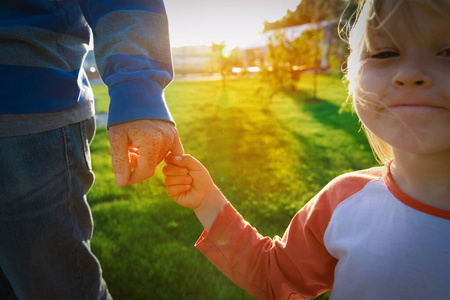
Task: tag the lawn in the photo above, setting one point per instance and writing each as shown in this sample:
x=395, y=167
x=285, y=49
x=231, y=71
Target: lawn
x=269, y=160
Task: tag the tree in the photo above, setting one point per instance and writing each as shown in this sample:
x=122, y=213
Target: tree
x=285, y=61
x=222, y=59
x=311, y=50
x=310, y=11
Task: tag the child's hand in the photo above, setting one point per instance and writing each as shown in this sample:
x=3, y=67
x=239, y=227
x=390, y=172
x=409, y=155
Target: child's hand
x=187, y=180
x=189, y=184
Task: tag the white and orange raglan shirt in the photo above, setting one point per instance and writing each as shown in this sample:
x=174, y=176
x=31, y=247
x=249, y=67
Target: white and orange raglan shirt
x=361, y=236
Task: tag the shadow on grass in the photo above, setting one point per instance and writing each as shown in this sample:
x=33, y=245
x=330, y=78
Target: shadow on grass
x=342, y=126
x=329, y=114
x=262, y=156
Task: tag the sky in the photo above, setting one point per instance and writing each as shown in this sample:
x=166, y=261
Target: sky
x=200, y=22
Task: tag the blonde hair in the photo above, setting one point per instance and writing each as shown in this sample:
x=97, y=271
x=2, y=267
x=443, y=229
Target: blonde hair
x=368, y=19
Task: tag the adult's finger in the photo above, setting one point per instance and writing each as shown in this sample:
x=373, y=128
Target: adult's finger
x=118, y=140
x=177, y=148
x=146, y=164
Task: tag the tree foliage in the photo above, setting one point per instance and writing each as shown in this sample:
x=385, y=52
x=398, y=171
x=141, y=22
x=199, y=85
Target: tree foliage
x=287, y=59
x=310, y=11
x=225, y=58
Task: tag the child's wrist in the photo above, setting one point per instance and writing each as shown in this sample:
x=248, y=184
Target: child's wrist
x=210, y=207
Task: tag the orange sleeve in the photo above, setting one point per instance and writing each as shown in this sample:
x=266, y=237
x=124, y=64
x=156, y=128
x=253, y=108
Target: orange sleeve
x=278, y=268
x=292, y=267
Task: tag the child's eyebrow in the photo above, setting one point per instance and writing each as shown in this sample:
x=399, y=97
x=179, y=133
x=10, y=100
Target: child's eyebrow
x=380, y=35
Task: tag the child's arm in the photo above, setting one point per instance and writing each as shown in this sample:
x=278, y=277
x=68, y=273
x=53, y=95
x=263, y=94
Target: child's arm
x=190, y=185
x=268, y=268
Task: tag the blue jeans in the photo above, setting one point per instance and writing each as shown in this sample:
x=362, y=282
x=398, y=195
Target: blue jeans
x=45, y=220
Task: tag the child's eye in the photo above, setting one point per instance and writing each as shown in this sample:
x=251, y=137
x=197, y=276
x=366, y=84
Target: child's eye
x=385, y=54
x=446, y=52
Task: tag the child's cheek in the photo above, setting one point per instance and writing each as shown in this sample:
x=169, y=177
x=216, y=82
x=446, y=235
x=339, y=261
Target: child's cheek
x=371, y=89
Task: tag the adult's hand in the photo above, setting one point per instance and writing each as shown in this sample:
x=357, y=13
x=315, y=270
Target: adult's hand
x=137, y=147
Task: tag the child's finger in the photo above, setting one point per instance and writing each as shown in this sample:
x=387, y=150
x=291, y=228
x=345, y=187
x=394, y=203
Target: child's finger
x=184, y=161
x=175, y=190
x=169, y=157
x=172, y=170
x=178, y=180
x=133, y=159
x=172, y=159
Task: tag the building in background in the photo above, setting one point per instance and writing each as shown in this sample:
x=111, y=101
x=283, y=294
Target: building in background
x=247, y=58
x=193, y=60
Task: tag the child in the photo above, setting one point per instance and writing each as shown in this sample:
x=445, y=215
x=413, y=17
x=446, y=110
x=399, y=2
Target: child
x=381, y=233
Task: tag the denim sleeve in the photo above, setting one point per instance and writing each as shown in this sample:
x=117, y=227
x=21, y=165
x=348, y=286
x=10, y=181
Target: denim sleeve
x=132, y=52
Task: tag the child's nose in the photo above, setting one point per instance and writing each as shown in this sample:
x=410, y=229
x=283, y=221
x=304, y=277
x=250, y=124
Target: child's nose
x=412, y=75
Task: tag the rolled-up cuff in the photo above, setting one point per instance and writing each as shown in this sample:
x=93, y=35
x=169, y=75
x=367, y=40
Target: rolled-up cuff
x=137, y=99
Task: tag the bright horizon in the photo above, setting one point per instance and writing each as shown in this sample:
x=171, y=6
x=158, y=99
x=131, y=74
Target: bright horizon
x=200, y=22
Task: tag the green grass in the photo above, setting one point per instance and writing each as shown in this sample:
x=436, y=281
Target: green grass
x=268, y=161
x=101, y=98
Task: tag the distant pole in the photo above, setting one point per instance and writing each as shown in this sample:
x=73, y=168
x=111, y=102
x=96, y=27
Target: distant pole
x=315, y=74
x=224, y=81
x=316, y=69
x=184, y=60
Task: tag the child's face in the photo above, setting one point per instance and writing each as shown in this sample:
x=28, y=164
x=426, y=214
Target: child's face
x=403, y=95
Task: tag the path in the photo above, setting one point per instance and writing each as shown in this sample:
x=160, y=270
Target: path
x=101, y=119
